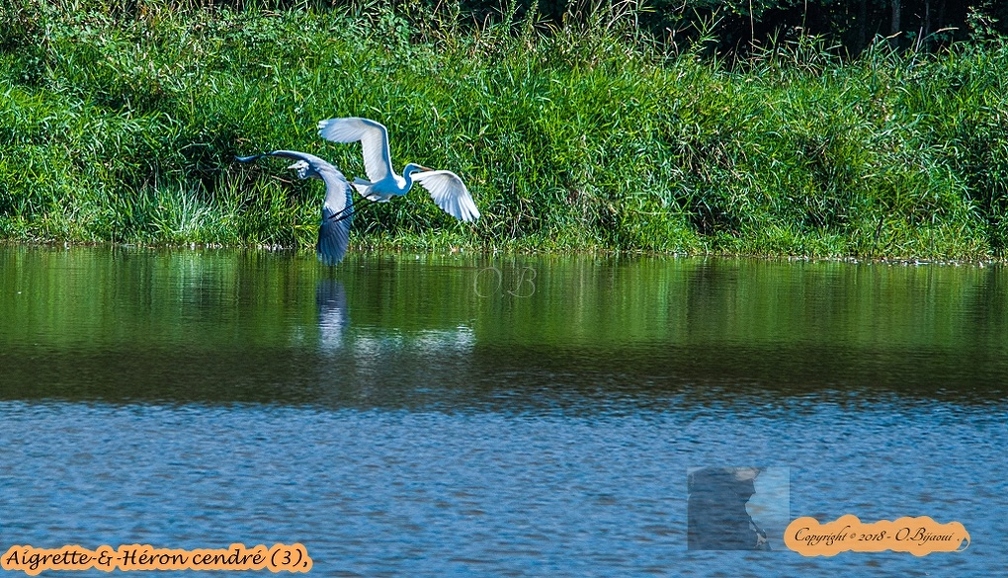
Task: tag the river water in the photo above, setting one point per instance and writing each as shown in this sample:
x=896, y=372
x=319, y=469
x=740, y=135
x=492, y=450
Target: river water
x=464, y=415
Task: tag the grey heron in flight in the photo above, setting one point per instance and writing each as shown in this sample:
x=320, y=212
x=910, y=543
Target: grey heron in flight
x=337, y=209
x=445, y=187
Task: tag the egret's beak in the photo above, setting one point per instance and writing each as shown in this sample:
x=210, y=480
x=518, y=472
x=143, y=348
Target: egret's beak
x=294, y=166
x=425, y=169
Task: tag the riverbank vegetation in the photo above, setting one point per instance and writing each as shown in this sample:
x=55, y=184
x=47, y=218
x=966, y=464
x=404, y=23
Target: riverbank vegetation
x=119, y=123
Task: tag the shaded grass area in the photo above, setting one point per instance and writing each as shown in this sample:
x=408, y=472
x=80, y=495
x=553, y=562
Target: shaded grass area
x=589, y=137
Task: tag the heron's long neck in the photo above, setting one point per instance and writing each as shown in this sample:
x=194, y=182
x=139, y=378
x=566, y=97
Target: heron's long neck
x=407, y=176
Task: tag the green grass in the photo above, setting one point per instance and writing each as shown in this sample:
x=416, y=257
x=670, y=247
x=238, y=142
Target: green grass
x=119, y=123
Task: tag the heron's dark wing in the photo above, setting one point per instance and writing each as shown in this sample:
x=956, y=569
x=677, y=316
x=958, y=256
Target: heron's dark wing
x=373, y=138
x=450, y=193
x=337, y=215
x=334, y=233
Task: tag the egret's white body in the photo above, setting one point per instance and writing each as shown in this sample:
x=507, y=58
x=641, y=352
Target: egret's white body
x=445, y=187
x=337, y=208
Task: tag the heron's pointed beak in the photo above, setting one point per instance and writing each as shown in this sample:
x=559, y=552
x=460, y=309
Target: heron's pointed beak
x=425, y=169
x=293, y=166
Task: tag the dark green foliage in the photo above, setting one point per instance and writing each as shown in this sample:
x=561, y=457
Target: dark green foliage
x=123, y=123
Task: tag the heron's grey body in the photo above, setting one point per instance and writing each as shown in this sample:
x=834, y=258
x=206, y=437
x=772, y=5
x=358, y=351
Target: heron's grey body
x=337, y=208
x=445, y=187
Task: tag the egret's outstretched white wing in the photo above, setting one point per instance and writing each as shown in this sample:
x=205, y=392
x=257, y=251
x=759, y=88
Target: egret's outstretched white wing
x=374, y=142
x=450, y=193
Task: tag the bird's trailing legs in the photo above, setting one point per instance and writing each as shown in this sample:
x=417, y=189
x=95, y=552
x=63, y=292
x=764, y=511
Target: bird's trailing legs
x=350, y=211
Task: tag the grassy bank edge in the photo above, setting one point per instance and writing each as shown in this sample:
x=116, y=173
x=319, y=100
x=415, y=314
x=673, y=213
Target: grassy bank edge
x=795, y=153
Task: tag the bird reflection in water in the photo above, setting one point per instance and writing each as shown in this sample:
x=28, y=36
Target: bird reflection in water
x=333, y=316
x=334, y=321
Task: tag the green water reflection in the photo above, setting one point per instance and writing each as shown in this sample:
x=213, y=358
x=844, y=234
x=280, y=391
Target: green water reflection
x=255, y=326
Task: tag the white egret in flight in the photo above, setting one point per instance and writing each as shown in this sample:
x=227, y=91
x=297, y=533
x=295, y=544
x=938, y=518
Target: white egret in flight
x=445, y=187
x=337, y=209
